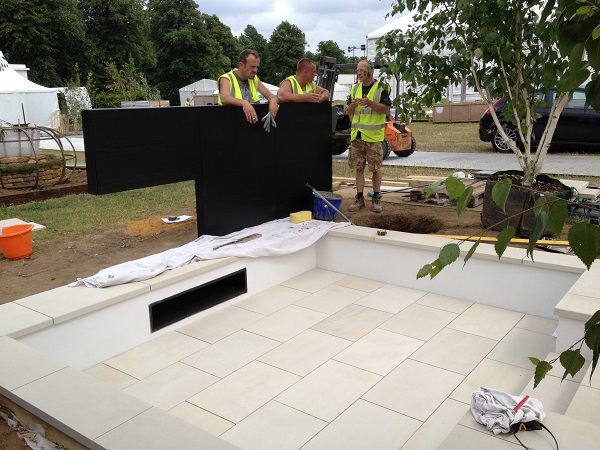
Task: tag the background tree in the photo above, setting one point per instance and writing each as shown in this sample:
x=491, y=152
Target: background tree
x=230, y=46
x=184, y=49
x=579, y=29
x=251, y=38
x=503, y=48
x=331, y=48
x=118, y=30
x=125, y=83
x=48, y=36
x=285, y=49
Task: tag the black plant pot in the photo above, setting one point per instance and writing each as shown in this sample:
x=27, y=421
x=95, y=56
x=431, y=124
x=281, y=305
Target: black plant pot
x=519, y=204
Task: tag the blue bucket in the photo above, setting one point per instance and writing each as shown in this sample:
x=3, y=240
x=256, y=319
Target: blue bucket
x=322, y=210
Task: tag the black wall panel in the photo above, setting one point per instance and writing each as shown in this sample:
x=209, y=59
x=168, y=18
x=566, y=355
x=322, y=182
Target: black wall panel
x=140, y=147
x=243, y=175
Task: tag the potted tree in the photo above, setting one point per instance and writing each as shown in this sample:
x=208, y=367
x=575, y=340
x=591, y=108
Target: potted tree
x=514, y=49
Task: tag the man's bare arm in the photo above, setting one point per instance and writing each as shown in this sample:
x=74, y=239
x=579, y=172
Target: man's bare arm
x=272, y=99
x=228, y=99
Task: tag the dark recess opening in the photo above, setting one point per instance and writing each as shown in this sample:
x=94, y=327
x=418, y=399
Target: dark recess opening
x=173, y=309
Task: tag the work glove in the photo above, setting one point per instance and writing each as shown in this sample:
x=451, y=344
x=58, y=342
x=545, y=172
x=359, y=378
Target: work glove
x=268, y=121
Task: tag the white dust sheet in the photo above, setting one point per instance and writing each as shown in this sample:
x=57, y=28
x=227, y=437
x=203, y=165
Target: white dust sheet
x=278, y=237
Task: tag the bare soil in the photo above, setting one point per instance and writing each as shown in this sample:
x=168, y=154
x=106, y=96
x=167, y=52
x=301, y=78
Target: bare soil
x=9, y=438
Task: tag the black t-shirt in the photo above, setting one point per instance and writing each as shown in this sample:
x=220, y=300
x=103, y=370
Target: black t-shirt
x=385, y=96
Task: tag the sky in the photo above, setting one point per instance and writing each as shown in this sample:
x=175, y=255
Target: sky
x=346, y=22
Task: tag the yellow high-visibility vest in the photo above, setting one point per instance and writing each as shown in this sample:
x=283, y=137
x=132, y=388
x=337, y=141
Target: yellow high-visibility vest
x=296, y=87
x=235, y=86
x=370, y=123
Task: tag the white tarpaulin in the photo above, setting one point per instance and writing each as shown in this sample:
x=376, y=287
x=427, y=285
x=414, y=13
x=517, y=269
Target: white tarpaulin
x=23, y=101
x=278, y=237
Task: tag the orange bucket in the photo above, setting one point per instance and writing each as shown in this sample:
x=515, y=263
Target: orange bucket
x=16, y=241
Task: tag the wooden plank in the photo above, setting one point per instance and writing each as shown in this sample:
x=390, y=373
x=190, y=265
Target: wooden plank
x=419, y=180
x=578, y=185
x=477, y=196
x=589, y=194
x=440, y=194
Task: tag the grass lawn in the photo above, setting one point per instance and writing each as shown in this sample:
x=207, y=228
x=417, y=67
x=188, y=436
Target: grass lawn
x=449, y=137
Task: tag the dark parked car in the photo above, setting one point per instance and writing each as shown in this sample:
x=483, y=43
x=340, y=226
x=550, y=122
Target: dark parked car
x=577, y=128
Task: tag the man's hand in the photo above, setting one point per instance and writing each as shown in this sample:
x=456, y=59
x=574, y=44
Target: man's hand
x=273, y=106
x=360, y=102
x=311, y=97
x=249, y=112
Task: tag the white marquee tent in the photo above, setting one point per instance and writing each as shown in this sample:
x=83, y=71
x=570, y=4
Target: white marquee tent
x=22, y=100
x=205, y=86
x=341, y=92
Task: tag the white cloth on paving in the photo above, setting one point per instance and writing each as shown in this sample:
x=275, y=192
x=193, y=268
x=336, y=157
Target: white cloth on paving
x=495, y=409
x=278, y=237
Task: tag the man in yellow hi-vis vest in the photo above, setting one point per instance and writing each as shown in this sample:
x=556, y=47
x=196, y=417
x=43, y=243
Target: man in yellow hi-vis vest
x=241, y=86
x=370, y=102
x=302, y=87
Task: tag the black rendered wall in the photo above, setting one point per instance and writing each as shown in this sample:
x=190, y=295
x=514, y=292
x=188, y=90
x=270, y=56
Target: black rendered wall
x=244, y=176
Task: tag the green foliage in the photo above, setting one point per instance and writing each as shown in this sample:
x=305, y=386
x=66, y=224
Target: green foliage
x=464, y=199
x=169, y=40
x=92, y=88
x=76, y=99
x=541, y=369
x=448, y=254
x=230, y=48
x=571, y=359
x=285, y=49
x=118, y=31
x=456, y=190
x=579, y=29
x=125, y=83
x=107, y=100
x=503, y=48
x=252, y=39
x=503, y=239
x=550, y=213
x=332, y=49
x=185, y=50
x=584, y=239
x=500, y=192
x=47, y=35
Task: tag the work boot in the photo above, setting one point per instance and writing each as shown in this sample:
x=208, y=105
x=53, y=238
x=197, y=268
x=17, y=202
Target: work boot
x=377, y=204
x=358, y=203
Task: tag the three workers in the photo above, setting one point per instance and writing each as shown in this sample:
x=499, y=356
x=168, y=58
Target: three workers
x=370, y=102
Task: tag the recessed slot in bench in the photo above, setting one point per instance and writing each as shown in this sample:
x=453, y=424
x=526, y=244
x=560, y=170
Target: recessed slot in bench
x=177, y=307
